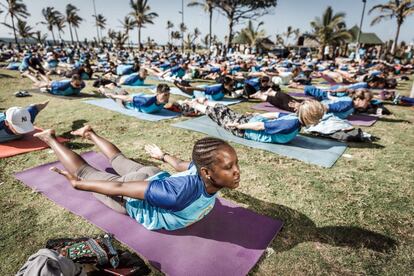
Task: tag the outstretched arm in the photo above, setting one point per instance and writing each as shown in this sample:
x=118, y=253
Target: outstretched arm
x=251, y=126
x=155, y=152
x=133, y=189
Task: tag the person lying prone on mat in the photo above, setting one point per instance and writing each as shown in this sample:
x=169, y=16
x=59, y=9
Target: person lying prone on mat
x=68, y=87
x=152, y=197
x=16, y=121
x=214, y=92
x=274, y=127
x=133, y=79
x=142, y=103
x=330, y=126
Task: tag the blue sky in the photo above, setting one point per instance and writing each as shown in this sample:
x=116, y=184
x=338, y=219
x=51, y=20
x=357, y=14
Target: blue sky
x=297, y=13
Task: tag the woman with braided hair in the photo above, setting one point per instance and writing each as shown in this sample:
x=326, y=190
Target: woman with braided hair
x=153, y=197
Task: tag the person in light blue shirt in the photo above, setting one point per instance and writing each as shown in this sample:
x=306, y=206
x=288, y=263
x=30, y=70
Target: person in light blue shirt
x=273, y=127
x=154, y=198
x=215, y=92
x=68, y=87
x=142, y=103
x=134, y=79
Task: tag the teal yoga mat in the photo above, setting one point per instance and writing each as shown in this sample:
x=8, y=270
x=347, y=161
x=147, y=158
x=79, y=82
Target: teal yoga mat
x=113, y=106
x=321, y=152
x=225, y=101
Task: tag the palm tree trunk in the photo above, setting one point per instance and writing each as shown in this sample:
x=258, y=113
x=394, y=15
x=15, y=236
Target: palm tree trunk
x=230, y=36
x=71, y=34
x=395, y=44
x=139, y=38
x=14, y=29
x=53, y=36
x=210, y=28
x=76, y=33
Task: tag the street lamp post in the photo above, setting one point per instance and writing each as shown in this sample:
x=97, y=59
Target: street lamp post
x=182, y=22
x=96, y=18
x=360, y=25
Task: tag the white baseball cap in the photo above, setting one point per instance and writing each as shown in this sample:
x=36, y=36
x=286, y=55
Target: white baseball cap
x=20, y=119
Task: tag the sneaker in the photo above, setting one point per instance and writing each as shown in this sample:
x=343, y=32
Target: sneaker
x=22, y=93
x=397, y=99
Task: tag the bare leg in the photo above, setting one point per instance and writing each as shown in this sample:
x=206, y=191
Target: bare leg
x=107, y=148
x=70, y=160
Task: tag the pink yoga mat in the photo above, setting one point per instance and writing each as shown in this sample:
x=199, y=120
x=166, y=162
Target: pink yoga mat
x=356, y=120
x=228, y=241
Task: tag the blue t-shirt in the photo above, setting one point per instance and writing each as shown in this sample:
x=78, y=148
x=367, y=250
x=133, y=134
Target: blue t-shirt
x=64, y=88
x=254, y=82
x=132, y=80
x=177, y=71
x=172, y=202
x=280, y=131
x=341, y=107
x=122, y=69
x=145, y=104
x=212, y=92
x=6, y=134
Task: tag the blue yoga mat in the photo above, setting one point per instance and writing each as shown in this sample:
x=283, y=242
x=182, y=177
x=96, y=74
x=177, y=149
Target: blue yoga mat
x=322, y=152
x=111, y=105
x=225, y=101
x=145, y=86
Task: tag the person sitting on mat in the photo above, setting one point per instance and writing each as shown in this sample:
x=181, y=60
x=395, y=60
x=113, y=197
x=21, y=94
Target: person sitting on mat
x=16, y=121
x=141, y=103
x=152, y=197
x=215, y=92
x=274, y=127
x=68, y=87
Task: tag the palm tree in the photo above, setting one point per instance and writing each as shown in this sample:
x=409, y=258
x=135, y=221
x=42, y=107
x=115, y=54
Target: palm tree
x=71, y=16
x=400, y=9
x=120, y=39
x=100, y=22
x=170, y=25
x=141, y=13
x=175, y=35
x=39, y=37
x=75, y=22
x=330, y=30
x=251, y=35
x=128, y=24
x=60, y=24
x=183, y=29
x=208, y=6
x=16, y=9
x=24, y=30
x=51, y=17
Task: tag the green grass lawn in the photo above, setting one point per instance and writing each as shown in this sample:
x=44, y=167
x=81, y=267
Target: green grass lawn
x=344, y=220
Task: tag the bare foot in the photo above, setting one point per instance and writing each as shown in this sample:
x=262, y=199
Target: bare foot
x=45, y=135
x=41, y=106
x=82, y=132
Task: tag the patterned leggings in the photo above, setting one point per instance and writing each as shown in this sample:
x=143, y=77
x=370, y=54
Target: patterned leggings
x=223, y=115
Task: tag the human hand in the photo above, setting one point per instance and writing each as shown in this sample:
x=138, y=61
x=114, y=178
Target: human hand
x=154, y=151
x=294, y=105
x=232, y=125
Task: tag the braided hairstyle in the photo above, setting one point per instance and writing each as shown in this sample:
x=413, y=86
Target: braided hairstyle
x=205, y=150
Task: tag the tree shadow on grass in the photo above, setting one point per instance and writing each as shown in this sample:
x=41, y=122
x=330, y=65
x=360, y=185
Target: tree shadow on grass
x=75, y=125
x=389, y=120
x=299, y=228
x=6, y=76
x=365, y=145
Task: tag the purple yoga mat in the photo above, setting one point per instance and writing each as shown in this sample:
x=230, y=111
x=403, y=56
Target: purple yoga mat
x=299, y=94
x=356, y=120
x=228, y=241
